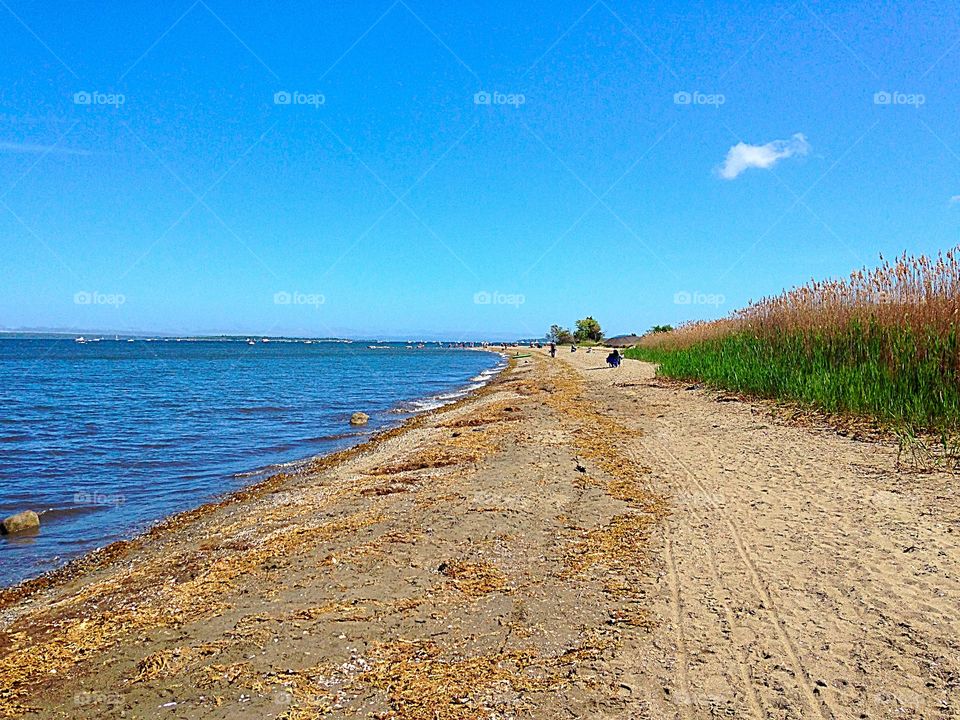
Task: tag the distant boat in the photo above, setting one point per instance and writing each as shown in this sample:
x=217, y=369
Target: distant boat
x=265, y=340
x=80, y=339
x=251, y=342
x=129, y=339
x=378, y=347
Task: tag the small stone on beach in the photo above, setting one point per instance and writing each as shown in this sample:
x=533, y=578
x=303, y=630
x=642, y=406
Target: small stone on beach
x=359, y=418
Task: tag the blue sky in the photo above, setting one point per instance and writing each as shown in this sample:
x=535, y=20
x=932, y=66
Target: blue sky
x=643, y=163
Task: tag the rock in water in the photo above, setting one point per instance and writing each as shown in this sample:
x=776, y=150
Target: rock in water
x=359, y=418
x=26, y=520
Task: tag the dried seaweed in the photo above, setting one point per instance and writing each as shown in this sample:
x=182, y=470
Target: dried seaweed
x=422, y=685
x=71, y=637
x=475, y=578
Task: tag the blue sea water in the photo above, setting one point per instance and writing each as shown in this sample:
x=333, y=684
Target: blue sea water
x=105, y=438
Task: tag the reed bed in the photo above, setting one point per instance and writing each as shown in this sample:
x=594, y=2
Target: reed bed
x=881, y=344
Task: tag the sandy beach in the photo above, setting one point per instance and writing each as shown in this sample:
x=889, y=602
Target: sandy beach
x=570, y=541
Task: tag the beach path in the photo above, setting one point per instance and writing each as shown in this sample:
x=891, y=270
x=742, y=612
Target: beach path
x=573, y=541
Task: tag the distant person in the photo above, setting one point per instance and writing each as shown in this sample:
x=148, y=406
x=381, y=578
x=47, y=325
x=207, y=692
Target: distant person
x=553, y=349
x=573, y=348
x=613, y=359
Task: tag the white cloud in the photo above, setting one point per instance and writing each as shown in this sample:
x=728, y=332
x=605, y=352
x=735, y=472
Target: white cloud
x=743, y=156
x=16, y=147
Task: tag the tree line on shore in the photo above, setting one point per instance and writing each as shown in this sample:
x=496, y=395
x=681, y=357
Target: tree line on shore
x=587, y=330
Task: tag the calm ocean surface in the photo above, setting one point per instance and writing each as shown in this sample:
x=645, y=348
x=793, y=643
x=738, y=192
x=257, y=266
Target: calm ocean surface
x=104, y=438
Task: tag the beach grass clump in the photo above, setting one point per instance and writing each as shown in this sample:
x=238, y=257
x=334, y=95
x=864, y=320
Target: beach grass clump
x=882, y=344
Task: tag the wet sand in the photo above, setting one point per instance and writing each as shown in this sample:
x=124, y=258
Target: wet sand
x=571, y=541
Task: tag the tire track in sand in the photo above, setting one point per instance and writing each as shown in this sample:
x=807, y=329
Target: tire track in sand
x=676, y=603
x=800, y=672
x=749, y=690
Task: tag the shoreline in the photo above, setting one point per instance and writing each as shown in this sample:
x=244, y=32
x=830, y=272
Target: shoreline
x=101, y=556
x=568, y=540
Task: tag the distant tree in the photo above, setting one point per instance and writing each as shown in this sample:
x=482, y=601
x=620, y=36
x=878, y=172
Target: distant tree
x=661, y=328
x=588, y=329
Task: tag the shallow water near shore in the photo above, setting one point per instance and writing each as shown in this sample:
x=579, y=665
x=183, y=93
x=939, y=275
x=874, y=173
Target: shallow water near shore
x=104, y=438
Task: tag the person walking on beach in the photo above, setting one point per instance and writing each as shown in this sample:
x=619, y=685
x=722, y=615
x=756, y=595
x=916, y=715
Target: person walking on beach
x=553, y=349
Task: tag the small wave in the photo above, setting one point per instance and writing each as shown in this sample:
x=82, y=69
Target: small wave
x=17, y=437
x=163, y=444
x=63, y=513
x=262, y=409
x=302, y=443
x=428, y=403
x=152, y=463
x=331, y=438
x=271, y=469
x=279, y=448
x=415, y=406
x=432, y=402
